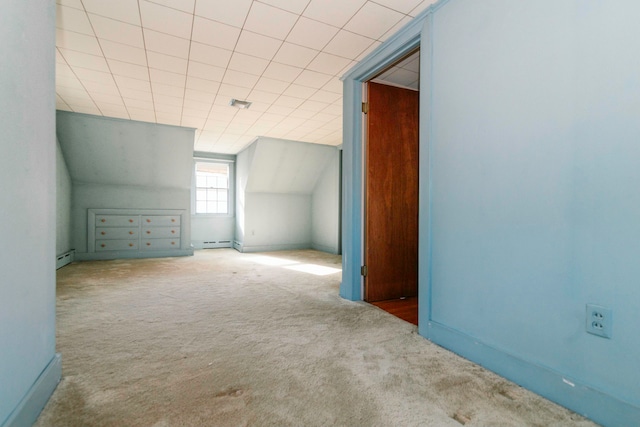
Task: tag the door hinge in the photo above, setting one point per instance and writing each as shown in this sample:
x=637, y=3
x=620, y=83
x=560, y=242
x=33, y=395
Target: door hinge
x=364, y=270
x=365, y=107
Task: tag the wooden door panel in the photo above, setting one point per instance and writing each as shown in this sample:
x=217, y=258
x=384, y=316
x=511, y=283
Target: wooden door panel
x=391, y=229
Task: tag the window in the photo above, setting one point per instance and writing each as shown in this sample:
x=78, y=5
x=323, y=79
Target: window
x=212, y=188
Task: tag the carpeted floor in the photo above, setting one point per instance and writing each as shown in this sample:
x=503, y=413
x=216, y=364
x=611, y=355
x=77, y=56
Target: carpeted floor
x=230, y=339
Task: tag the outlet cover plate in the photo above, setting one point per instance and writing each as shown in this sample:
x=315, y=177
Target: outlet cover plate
x=599, y=320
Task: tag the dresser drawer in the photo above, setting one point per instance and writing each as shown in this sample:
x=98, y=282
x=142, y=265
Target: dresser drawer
x=116, y=220
x=117, y=245
x=103, y=233
x=160, y=220
x=160, y=232
x=159, y=244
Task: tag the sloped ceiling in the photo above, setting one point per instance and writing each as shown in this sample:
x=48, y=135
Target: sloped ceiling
x=180, y=62
x=108, y=151
x=279, y=166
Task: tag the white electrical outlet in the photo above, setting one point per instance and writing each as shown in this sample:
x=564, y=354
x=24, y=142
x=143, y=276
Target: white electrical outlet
x=599, y=320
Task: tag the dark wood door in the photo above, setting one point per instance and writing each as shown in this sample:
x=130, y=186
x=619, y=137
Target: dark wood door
x=391, y=198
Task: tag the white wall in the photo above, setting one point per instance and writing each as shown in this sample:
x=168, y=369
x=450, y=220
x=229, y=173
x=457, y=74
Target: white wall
x=63, y=204
x=325, y=208
x=212, y=229
x=125, y=164
x=28, y=210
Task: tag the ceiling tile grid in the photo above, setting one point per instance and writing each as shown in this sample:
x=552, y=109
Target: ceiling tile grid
x=180, y=62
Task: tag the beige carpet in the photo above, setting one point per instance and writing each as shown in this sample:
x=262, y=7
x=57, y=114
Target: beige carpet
x=230, y=339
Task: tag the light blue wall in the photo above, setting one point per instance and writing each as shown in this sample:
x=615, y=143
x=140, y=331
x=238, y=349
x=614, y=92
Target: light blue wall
x=29, y=367
x=325, y=208
x=125, y=164
x=529, y=199
x=63, y=204
x=275, y=187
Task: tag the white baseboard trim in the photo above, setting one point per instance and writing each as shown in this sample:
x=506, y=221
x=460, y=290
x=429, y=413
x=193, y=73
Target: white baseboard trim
x=27, y=411
x=65, y=258
x=272, y=248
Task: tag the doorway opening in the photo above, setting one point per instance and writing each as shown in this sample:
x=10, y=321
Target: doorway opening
x=391, y=175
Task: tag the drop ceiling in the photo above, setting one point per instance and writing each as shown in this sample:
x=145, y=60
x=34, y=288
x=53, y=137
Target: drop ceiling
x=180, y=62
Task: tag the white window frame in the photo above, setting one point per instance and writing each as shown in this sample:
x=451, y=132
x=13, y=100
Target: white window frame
x=232, y=183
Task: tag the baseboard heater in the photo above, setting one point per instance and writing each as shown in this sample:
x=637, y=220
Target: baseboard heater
x=65, y=258
x=216, y=244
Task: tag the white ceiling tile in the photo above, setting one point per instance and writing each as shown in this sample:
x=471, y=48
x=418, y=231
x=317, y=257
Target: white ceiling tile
x=368, y=50
x=84, y=60
x=328, y=64
x=183, y=5
x=391, y=31
x=162, y=89
x=116, y=111
x=312, y=79
x=86, y=109
x=229, y=12
x=201, y=115
x=288, y=101
x=205, y=71
x=209, y=54
x=126, y=69
x=313, y=106
x=215, y=33
x=73, y=93
x=257, y=45
x=80, y=102
x=271, y=85
x=110, y=29
x=71, y=19
x=165, y=20
x=333, y=12
x=197, y=106
x=122, y=10
x=270, y=21
x=248, y=64
x=297, y=56
x=61, y=105
x=304, y=114
x=168, y=102
x=71, y=82
x=298, y=91
x=373, y=20
x=232, y=91
x=191, y=122
x=348, y=45
x=402, y=6
x=310, y=33
x=238, y=78
x=95, y=88
x=198, y=95
x=131, y=103
x=85, y=74
x=139, y=95
x=123, y=52
x=167, y=44
x=295, y=6
x=129, y=83
x=109, y=98
x=279, y=109
x=79, y=42
x=202, y=85
x=64, y=70
x=167, y=63
x=166, y=77
x=422, y=6
x=262, y=96
x=282, y=72
x=324, y=96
